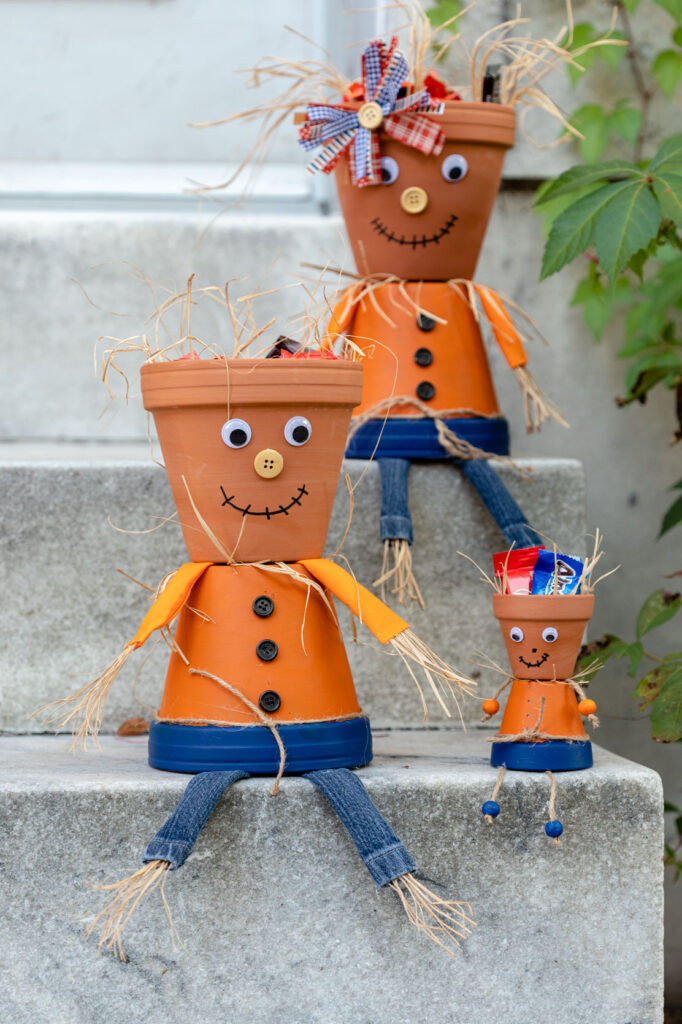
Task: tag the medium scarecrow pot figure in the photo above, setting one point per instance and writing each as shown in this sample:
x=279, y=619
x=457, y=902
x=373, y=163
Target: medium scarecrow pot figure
x=542, y=725
x=258, y=681
x=417, y=178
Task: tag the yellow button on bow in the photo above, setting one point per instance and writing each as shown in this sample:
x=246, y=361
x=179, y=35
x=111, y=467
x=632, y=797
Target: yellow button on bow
x=414, y=199
x=370, y=115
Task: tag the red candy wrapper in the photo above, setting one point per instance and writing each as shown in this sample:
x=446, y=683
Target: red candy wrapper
x=519, y=563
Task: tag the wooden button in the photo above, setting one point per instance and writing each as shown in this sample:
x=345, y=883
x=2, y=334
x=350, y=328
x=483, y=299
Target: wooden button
x=268, y=463
x=414, y=199
x=370, y=115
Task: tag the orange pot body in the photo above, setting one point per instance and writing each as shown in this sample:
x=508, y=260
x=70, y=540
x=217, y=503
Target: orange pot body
x=444, y=240
x=248, y=517
x=458, y=370
x=560, y=715
x=219, y=631
x=534, y=657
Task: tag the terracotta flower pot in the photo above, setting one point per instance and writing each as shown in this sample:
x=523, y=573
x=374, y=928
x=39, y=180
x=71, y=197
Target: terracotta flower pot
x=543, y=634
x=423, y=225
x=253, y=447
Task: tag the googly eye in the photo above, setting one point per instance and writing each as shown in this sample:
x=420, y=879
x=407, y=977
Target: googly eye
x=297, y=431
x=516, y=633
x=389, y=170
x=454, y=167
x=236, y=433
x=550, y=634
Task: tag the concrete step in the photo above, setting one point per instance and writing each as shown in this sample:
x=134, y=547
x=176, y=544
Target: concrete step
x=70, y=612
x=283, y=923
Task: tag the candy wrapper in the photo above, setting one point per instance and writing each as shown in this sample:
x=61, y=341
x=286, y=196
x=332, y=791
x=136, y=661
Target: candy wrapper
x=556, y=574
x=519, y=564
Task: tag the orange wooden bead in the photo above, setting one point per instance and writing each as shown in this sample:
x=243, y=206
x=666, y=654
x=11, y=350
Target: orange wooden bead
x=587, y=707
x=491, y=707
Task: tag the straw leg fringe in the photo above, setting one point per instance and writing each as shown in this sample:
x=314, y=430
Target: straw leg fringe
x=85, y=707
x=400, y=574
x=126, y=896
x=442, y=679
x=445, y=922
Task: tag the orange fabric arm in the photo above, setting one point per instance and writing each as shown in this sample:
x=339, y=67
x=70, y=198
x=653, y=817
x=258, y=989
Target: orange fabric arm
x=380, y=620
x=342, y=316
x=506, y=335
x=170, y=600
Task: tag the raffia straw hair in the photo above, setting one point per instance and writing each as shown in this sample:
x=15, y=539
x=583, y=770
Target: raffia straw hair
x=445, y=922
x=400, y=574
x=126, y=897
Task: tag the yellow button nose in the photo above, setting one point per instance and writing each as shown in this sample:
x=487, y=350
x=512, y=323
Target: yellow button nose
x=414, y=199
x=268, y=463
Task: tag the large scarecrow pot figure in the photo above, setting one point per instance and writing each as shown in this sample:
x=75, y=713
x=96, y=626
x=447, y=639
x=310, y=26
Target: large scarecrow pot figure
x=258, y=681
x=417, y=172
x=542, y=726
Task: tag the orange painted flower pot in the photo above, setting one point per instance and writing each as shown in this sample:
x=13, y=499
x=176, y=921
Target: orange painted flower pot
x=429, y=220
x=253, y=450
x=543, y=633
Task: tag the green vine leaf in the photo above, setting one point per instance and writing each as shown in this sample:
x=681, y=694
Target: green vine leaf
x=669, y=154
x=579, y=176
x=667, y=186
x=572, y=230
x=626, y=122
x=667, y=69
x=624, y=224
x=673, y=7
x=666, y=710
x=657, y=609
x=592, y=121
x=673, y=516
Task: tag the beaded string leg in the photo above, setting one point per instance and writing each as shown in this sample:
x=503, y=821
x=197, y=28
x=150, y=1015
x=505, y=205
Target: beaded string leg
x=491, y=808
x=553, y=828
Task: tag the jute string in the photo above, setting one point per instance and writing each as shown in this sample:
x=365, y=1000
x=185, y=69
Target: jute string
x=493, y=796
x=552, y=804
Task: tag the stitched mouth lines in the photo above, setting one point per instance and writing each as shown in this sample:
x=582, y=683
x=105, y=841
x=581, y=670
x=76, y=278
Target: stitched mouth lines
x=534, y=664
x=268, y=512
x=390, y=236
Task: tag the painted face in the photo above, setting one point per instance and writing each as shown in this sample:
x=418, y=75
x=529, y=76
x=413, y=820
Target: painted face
x=428, y=219
x=254, y=469
x=542, y=634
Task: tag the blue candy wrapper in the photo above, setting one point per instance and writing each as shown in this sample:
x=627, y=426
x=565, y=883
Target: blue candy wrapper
x=568, y=571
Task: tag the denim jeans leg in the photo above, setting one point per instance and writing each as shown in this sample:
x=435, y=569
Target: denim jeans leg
x=176, y=838
x=395, y=520
x=380, y=848
x=499, y=502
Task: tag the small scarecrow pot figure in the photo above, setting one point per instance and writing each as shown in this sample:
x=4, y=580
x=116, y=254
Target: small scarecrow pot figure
x=258, y=681
x=542, y=726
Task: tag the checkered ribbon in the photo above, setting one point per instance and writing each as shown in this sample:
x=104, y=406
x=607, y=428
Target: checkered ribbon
x=338, y=130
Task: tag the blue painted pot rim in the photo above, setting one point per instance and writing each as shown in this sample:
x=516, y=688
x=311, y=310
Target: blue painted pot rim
x=543, y=756
x=308, y=746
x=410, y=437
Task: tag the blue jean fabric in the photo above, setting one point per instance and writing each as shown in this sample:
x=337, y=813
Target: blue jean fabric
x=395, y=519
x=380, y=848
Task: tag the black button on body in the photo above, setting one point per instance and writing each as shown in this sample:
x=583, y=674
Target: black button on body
x=425, y=323
x=269, y=700
x=267, y=650
x=425, y=390
x=263, y=606
x=423, y=357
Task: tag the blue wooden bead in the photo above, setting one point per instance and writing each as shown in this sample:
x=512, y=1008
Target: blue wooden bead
x=491, y=807
x=554, y=829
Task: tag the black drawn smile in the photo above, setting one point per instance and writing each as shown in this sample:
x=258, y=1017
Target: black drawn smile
x=534, y=664
x=381, y=229
x=269, y=512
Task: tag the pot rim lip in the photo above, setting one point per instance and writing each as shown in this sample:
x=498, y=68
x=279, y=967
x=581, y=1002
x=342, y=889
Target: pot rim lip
x=218, y=363
x=557, y=606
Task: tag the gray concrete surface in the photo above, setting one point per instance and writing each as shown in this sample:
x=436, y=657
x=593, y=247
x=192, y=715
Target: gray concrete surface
x=281, y=920
x=70, y=612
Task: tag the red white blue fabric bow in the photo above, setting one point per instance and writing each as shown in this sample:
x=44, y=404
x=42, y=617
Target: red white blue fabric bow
x=339, y=129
